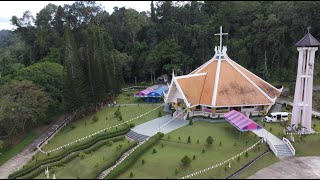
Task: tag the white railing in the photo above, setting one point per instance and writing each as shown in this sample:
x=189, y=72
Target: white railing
x=285, y=140
x=274, y=150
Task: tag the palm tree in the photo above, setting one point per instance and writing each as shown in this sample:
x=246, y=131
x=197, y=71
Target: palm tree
x=285, y=125
x=300, y=130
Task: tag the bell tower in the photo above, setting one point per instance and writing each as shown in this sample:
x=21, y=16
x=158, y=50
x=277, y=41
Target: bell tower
x=302, y=103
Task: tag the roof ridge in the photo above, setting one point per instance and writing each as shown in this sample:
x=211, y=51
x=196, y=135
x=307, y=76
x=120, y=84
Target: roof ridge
x=202, y=88
x=256, y=76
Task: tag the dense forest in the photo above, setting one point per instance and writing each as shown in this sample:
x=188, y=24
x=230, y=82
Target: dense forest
x=75, y=56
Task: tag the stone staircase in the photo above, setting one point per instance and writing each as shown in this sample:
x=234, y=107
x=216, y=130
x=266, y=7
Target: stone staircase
x=283, y=150
x=136, y=136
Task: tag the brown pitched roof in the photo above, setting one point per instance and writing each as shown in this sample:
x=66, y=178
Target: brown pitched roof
x=192, y=87
x=236, y=85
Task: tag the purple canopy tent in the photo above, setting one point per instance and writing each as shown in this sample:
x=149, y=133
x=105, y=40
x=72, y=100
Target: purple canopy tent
x=241, y=121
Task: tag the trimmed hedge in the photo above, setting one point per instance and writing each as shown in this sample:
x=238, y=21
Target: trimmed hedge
x=40, y=170
x=62, y=155
x=127, y=163
x=116, y=157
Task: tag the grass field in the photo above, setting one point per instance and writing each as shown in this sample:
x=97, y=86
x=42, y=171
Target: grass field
x=168, y=158
x=88, y=167
x=265, y=161
x=86, y=126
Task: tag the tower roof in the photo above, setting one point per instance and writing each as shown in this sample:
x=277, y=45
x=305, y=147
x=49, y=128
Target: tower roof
x=225, y=84
x=308, y=41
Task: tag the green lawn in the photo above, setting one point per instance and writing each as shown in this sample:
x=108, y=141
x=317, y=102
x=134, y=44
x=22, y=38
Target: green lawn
x=8, y=153
x=310, y=146
x=86, y=168
x=163, y=163
x=263, y=162
x=86, y=126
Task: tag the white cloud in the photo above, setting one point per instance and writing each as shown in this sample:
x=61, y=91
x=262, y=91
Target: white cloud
x=16, y=8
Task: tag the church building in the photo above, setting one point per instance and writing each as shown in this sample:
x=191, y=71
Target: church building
x=218, y=86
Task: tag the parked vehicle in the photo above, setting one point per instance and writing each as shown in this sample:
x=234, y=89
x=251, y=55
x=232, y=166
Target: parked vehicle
x=276, y=117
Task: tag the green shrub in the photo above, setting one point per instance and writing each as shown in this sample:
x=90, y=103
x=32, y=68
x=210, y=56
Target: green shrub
x=95, y=119
x=235, y=144
x=120, y=117
x=72, y=126
x=159, y=114
x=209, y=140
x=154, y=151
x=189, y=139
x=168, y=136
x=220, y=143
x=106, y=117
x=54, y=169
x=96, y=165
x=82, y=155
x=238, y=158
x=198, y=141
x=160, y=134
x=131, y=174
x=142, y=161
x=186, y=160
x=194, y=157
x=179, y=138
x=203, y=151
x=270, y=129
x=176, y=171
x=247, y=154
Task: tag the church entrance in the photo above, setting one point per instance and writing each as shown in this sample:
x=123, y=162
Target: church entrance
x=235, y=108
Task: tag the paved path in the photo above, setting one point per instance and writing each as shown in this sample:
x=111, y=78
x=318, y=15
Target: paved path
x=266, y=134
x=26, y=154
x=150, y=128
x=291, y=168
x=289, y=101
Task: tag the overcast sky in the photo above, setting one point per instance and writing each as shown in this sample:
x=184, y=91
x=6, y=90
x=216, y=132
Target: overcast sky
x=11, y=8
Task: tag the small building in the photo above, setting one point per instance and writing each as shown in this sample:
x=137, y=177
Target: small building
x=219, y=86
x=153, y=93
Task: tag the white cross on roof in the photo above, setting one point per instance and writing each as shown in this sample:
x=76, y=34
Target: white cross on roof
x=220, y=34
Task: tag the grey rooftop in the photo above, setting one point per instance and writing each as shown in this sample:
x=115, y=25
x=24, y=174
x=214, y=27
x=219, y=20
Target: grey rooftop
x=308, y=41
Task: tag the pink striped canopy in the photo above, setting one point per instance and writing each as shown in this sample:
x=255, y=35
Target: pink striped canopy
x=241, y=121
x=145, y=92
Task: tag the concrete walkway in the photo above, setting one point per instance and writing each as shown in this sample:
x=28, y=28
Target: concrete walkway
x=26, y=154
x=266, y=134
x=291, y=168
x=150, y=128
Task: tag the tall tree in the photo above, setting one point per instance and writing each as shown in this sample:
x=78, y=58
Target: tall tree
x=22, y=103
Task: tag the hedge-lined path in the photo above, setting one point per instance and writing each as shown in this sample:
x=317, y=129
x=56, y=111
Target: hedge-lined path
x=22, y=158
x=122, y=158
